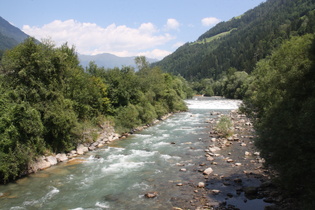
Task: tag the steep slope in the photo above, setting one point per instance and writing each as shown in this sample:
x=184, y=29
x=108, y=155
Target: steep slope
x=10, y=35
x=242, y=41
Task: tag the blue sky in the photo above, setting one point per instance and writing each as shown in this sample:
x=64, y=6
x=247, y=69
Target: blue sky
x=121, y=27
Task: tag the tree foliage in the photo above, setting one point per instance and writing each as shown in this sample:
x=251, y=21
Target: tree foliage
x=281, y=99
x=47, y=98
x=241, y=41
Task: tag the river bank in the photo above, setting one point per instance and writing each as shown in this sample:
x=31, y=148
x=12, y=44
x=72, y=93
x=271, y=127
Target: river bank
x=163, y=166
x=234, y=173
x=105, y=136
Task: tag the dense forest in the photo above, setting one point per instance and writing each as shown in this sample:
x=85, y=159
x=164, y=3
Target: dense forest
x=238, y=44
x=48, y=100
x=281, y=101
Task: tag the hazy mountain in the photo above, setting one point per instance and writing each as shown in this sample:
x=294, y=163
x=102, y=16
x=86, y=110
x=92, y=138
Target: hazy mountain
x=10, y=35
x=108, y=60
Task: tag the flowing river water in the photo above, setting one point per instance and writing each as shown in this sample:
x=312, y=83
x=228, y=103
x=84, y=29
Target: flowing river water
x=118, y=175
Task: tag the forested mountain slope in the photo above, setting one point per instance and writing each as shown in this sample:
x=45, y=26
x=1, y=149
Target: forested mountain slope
x=242, y=41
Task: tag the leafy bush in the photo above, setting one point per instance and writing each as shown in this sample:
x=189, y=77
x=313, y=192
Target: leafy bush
x=224, y=126
x=282, y=103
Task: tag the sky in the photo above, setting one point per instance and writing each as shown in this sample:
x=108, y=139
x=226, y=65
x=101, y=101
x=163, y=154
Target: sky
x=153, y=28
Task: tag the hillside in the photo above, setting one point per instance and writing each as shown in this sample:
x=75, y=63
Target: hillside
x=10, y=35
x=108, y=60
x=242, y=41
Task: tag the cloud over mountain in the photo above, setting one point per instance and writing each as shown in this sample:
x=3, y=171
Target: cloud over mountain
x=121, y=40
x=209, y=21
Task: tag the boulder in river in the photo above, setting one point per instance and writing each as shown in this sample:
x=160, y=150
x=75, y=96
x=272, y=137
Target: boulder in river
x=207, y=171
x=151, y=194
x=201, y=184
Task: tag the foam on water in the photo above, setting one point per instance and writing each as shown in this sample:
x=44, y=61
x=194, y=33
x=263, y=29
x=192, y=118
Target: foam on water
x=122, y=167
x=102, y=205
x=141, y=186
x=219, y=104
x=43, y=199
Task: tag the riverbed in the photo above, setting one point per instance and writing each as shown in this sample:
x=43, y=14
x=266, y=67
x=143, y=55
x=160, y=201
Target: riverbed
x=163, y=159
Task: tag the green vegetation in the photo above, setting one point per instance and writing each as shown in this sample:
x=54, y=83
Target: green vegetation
x=48, y=100
x=269, y=61
x=250, y=38
x=224, y=126
x=210, y=39
x=281, y=101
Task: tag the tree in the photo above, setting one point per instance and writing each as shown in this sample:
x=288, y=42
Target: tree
x=282, y=103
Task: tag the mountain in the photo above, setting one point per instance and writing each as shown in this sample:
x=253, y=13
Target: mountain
x=242, y=41
x=10, y=35
x=108, y=60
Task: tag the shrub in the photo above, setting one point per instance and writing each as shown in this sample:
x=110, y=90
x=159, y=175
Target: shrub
x=224, y=126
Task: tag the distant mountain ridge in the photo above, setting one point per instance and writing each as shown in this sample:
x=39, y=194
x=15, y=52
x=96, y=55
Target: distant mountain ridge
x=108, y=60
x=10, y=35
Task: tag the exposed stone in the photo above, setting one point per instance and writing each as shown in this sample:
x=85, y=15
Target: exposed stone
x=91, y=148
x=183, y=169
x=52, y=160
x=100, y=145
x=61, y=157
x=207, y=171
x=81, y=149
x=256, y=153
x=73, y=152
x=151, y=194
x=215, y=191
x=201, y=184
x=229, y=160
x=39, y=164
x=238, y=164
x=214, y=149
x=247, y=153
x=210, y=158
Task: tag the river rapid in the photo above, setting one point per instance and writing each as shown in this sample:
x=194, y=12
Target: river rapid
x=118, y=176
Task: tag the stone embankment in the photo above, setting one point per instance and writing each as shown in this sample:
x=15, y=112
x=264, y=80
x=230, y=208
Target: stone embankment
x=105, y=136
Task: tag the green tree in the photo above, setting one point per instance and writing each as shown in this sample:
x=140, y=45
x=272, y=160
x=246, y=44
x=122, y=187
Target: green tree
x=282, y=102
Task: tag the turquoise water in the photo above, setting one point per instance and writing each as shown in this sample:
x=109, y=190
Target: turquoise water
x=117, y=176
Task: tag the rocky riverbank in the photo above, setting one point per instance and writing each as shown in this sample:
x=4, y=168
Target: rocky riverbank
x=234, y=173
x=105, y=135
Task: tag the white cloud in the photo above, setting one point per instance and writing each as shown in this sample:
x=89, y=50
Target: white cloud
x=208, y=21
x=89, y=38
x=156, y=53
x=172, y=24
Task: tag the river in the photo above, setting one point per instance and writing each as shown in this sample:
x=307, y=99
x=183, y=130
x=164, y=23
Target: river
x=118, y=175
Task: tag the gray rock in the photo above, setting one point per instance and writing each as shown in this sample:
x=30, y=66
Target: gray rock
x=61, y=157
x=81, y=149
x=207, y=171
x=52, y=160
x=201, y=184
